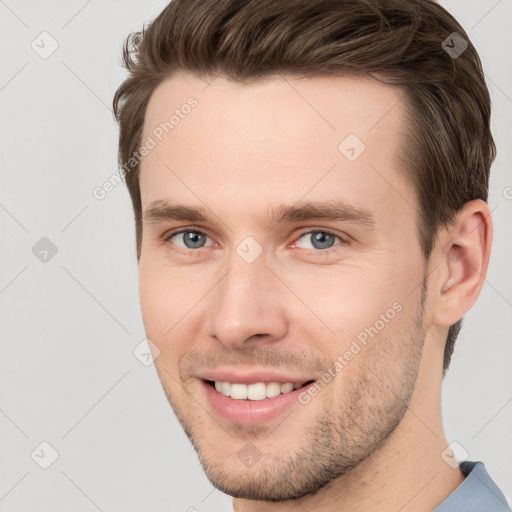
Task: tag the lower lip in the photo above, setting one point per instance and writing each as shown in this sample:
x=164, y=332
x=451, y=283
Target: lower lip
x=250, y=412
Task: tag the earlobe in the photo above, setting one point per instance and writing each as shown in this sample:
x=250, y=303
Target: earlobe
x=463, y=258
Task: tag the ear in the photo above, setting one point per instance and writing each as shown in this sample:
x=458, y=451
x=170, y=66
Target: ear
x=463, y=252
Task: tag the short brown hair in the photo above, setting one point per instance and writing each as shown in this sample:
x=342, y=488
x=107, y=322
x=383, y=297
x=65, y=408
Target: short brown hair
x=449, y=147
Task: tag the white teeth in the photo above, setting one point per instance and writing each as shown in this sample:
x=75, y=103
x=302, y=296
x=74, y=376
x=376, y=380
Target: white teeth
x=225, y=388
x=273, y=389
x=239, y=391
x=286, y=387
x=256, y=391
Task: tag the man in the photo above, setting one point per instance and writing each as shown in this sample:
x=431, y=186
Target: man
x=309, y=181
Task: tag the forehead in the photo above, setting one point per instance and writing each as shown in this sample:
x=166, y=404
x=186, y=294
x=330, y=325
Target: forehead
x=275, y=107
x=321, y=137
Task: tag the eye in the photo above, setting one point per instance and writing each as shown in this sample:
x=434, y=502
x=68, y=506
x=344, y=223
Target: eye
x=188, y=239
x=320, y=240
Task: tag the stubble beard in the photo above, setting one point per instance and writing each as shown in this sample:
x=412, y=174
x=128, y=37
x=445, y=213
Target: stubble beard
x=348, y=430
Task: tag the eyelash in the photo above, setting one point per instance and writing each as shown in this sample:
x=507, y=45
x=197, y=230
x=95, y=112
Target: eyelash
x=329, y=250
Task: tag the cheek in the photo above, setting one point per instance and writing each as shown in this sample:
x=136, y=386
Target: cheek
x=161, y=311
x=343, y=300
x=346, y=298
x=170, y=302
x=166, y=294
x=153, y=302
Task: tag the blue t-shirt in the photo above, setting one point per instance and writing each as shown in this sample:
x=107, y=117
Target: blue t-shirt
x=478, y=492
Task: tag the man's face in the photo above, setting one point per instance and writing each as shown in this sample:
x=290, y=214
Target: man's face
x=245, y=297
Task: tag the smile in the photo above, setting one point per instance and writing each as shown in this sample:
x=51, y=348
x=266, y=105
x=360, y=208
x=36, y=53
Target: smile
x=254, y=403
x=255, y=391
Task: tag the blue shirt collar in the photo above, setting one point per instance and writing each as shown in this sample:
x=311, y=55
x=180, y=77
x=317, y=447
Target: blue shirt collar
x=478, y=492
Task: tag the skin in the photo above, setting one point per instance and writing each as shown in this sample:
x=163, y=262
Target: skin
x=372, y=438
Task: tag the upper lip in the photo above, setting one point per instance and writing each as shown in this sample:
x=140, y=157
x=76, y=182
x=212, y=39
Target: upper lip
x=251, y=376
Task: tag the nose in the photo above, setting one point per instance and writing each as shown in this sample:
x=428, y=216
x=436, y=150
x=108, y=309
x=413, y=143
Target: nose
x=247, y=306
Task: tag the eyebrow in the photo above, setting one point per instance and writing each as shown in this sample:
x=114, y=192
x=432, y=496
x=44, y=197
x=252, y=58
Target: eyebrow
x=161, y=211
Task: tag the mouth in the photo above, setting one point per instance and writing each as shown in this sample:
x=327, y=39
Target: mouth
x=254, y=403
x=257, y=390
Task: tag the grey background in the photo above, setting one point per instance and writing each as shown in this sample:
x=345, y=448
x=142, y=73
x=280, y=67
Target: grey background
x=69, y=325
